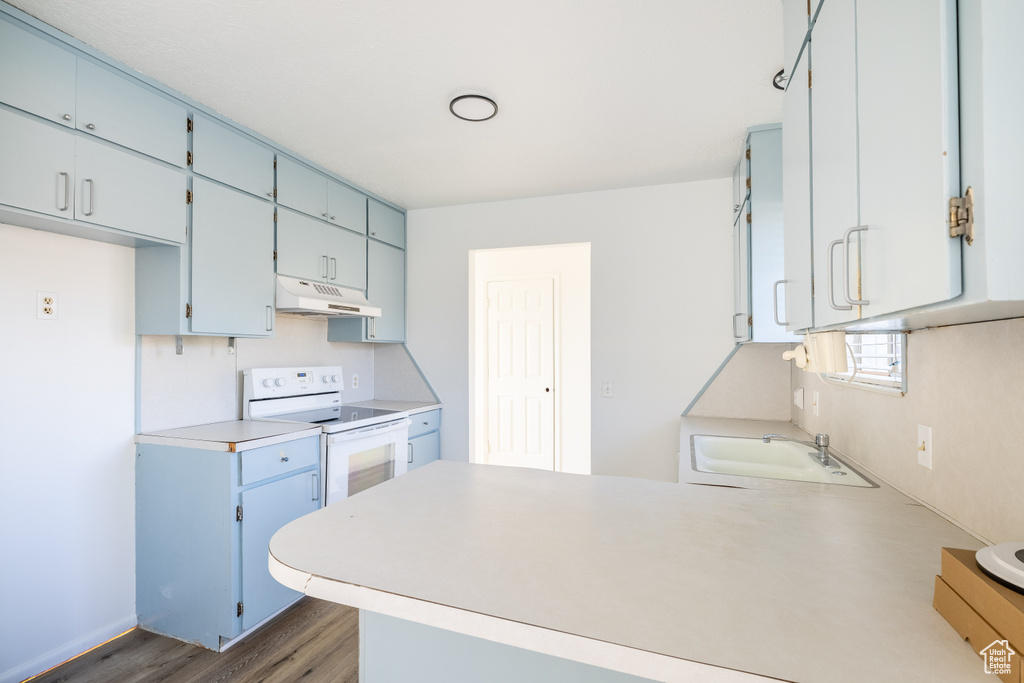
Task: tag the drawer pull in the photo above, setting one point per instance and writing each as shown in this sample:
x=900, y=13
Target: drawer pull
x=90, y=126
x=284, y=458
x=410, y=453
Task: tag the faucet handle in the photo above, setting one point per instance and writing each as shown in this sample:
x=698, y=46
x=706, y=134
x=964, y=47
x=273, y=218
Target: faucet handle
x=821, y=440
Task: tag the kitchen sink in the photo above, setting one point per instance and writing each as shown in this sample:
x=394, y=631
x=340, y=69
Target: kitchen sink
x=752, y=457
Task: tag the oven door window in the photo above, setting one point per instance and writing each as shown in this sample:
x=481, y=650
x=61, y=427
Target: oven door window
x=369, y=468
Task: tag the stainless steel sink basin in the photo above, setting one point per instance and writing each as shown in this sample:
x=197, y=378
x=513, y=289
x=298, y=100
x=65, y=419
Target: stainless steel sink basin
x=753, y=457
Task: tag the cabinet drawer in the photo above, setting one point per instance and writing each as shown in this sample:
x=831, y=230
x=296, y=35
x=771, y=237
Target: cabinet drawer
x=222, y=154
x=114, y=108
x=423, y=450
x=271, y=461
x=386, y=224
x=424, y=422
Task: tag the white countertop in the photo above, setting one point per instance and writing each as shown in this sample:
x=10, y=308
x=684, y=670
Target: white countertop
x=410, y=407
x=672, y=582
x=231, y=436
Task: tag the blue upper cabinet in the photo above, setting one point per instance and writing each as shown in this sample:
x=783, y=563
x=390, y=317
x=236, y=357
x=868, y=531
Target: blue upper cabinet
x=232, y=262
x=301, y=188
x=346, y=207
x=232, y=158
x=114, y=108
x=37, y=164
x=386, y=224
x=36, y=75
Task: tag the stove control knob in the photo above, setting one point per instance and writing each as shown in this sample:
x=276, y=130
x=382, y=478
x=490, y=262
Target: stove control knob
x=335, y=378
x=280, y=381
x=268, y=382
x=326, y=379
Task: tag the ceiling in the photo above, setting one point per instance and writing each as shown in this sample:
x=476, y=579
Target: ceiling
x=592, y=94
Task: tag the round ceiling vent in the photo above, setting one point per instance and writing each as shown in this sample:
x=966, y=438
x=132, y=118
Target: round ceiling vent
x=473, y=107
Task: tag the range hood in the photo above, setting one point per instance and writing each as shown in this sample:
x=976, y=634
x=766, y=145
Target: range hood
x=309, y=298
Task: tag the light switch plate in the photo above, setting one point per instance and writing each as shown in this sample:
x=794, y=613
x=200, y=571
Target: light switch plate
x=798, y=398
x=924, y=446
x=607, y=389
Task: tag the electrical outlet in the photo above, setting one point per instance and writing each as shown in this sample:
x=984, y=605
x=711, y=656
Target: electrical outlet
x=924, y=446
x=46, y=305
x=798, y=398
x=607, y=389
x=816, y=403
x=355, y=381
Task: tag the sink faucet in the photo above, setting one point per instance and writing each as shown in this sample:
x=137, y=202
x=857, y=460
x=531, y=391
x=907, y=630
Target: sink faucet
x=820, y=444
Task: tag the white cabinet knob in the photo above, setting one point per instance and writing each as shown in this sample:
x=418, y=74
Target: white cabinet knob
x=280, y=381
x=268, y=382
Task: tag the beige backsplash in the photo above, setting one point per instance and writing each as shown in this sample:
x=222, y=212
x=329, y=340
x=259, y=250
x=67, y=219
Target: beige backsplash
x=753, y=385
x=965, y=382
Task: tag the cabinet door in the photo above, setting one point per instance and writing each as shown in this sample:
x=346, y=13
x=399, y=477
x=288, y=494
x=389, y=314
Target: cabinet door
x=386, y=224
x=37, y=165
x=232, y=158
x=346, y=207
x=266, y=509
x=385, y=287
x=37, y=76
x=795, y=17
x=834, y=163
x=796, y=199
x=114, y=108
x=302, y=246
x=423, y=449
x=232, y=262
x=346, y=253
x=301, y=188
x=124, y=191
x=907, y=111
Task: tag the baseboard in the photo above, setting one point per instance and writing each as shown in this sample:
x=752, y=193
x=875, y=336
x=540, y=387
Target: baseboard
x=67, y=651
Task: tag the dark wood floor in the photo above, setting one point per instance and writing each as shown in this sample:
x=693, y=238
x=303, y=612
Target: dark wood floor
x=313, y=641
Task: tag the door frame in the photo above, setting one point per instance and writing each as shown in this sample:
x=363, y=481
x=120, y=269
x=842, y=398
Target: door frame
x=568, y=266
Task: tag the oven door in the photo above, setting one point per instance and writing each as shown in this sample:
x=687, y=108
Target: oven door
x=364, y=457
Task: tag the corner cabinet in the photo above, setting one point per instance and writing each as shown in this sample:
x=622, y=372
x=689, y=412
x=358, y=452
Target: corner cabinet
x=385, y=281
x=204, y=519
x=759, y=314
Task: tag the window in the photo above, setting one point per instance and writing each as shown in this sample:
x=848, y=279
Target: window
x=876, y=361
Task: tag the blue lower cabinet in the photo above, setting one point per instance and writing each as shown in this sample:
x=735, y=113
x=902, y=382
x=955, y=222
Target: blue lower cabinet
x=424, y=439
x=202, y=536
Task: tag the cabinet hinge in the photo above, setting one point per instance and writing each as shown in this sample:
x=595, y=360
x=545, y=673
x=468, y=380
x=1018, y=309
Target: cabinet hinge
x=275, y=254
x=812, y=287
x=275, y=215
x=188, y=196
x=750, y=321
x=961, y=216
x=239, y=609
x=275, y=164
x=188, y=126
x=748, y=183
x=188, y=310
x=238, y=518
x=808, y=78
x=748, y=152
x=275, y=189
x=748, y=217
x=188, y=158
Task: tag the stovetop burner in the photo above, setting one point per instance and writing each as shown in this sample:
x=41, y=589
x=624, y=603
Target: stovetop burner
x=336, y=415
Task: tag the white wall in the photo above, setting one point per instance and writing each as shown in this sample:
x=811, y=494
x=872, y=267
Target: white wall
x=67, y=489
x=569, y=266
x=661, y=291
x=966, y=383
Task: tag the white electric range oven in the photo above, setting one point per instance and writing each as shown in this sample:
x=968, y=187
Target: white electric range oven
x=359, y=448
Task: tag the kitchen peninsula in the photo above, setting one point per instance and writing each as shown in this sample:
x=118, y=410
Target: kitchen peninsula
x=670, y=582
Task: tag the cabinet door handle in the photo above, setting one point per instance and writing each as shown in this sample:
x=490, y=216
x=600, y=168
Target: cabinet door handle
x=316, y=487
x=775, y=302
x=284, y=458
x=270, y=318
x=323, y=266
x=334, y=268
x=324, y=215
x=846, y=267
x=332, y=218
x=372, y=332
x=270, y=194
x=67, y=190
x=66, y=117
x=88, y=195
x=410, y=454
x=830, y=280
x=90, y=126
x=734, y=335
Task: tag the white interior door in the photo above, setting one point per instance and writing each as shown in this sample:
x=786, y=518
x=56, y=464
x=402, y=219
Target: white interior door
x=521, y=373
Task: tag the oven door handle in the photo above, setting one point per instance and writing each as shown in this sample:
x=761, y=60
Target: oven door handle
x=369, y=430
